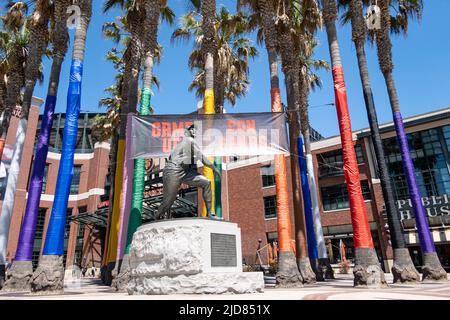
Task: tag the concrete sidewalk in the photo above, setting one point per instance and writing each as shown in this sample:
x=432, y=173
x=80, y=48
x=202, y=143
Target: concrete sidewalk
x=339, y=289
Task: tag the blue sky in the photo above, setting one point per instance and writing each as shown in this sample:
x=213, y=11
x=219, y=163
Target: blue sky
x=422, y=69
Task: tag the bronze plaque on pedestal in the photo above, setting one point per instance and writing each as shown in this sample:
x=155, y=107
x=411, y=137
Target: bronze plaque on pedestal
x=223, y=250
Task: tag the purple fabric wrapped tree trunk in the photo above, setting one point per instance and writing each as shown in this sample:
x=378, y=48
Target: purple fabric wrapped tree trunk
x=28, y=229
x=426, y=240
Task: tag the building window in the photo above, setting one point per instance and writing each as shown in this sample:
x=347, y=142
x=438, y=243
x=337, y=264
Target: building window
x=272, y=237
x=270, y=207
x=80, y=238
x=336, y=197
x=44, y=178
x=75, y=186
x=332, y=163
x=40, y=223
x=428, y=152
x=38, y=236
x=82, y=209
x=81, y=226
x=80, y=233
x=446, y=132
x=268, y=176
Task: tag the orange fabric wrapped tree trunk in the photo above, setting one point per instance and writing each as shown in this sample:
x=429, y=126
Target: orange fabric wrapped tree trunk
x=367, y=270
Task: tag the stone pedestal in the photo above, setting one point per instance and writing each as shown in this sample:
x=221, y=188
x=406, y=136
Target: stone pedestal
x=189, y=255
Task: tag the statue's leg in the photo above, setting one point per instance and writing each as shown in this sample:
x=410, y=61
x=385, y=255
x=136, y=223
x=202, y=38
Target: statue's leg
x=196, y=180
x=171, y=183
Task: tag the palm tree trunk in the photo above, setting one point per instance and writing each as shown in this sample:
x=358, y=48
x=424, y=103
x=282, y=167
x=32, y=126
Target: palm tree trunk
x=288, y=271
x=316, y=240
x=209, y=48
x=324, y=261
x=49, y=276
x=132, y=217
x=307, y=206
x=367, y=270
x=116, y=185
x=304, y=139
x=112, y=169
x=432, y=268
x=134, y=51
x=290, y=69
x=403, y=269
x=219, y=92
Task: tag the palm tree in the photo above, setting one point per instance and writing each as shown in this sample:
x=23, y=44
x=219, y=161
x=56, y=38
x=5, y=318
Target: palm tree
x=307, y=19
x=432, y=268
x=106, y=126
x=290, y=66
x=49, y=275
x=288, y=273
x=132, y=61
x=316, y=242
x=132, y=217
x=367, y=270
x=209, y=52
x=14, y=23
x=312, y=81
x=233, y=53
x=128, y=101
x=403, y=269
x=14, y=40
x=21, y=269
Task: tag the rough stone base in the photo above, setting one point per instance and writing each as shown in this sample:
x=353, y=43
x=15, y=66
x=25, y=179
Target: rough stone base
x=367, y=270
x=403, y=269
x=48, y=278
x=288, y=275
x=325, y=266
x=201, y=283
x=432, y=269
x=19, y=276
x=308, y=275
x=320, y=275
x=121, y=280
x=2, y=275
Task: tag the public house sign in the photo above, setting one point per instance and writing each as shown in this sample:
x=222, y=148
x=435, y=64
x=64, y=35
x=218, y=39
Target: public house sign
x=434, y=206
